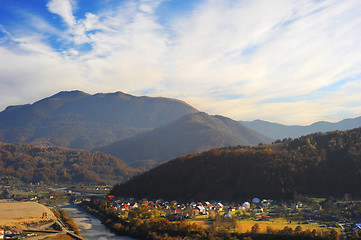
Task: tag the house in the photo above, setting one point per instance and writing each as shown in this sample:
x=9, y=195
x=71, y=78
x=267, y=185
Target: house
x=265, y=203
x=264, y=218
x=227, y=215
x=202, y=210
x=6, y=194
x=294, y=207
x=196, y=211
x=357, y=228
x=110, y=197
x=133, y=206
x=209, y=206
x=258, y=209
x=125, y=207
x=246, y=205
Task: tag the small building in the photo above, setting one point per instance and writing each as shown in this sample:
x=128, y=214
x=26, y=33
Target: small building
x=258, y=209
x=227, y=215
x=1, y=233
x=294, y=207
x=265, y=203
x=202, y=210
x=246, y=205
x=6, y=194
x=133, y=206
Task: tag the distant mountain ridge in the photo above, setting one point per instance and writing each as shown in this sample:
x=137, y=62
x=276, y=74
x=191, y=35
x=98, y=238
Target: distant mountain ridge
x=79, y=120
x=280, y=131
x=192, y=133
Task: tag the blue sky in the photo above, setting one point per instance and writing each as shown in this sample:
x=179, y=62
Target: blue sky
x=286, y=61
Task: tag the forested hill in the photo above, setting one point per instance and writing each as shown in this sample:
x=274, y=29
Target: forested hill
x=79, y=120
x=326, y=164
x=61, y=165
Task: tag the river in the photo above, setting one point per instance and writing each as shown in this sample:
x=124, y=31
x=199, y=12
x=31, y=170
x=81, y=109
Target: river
x=90, y=227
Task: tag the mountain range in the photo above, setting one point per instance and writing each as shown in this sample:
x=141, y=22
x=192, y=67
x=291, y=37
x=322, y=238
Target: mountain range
x=79, y=120
x=192, y=133
x=280, y=131
x=142, y=131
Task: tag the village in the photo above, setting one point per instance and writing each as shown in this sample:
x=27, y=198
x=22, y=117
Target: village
x=318, y=214
x=315, y=214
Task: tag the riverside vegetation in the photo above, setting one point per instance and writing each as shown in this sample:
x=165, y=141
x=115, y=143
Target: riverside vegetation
x=145, y=222
x=66, y=220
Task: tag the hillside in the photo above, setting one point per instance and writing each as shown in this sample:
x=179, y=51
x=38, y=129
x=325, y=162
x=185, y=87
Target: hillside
x=79, y=120
x=319, y=164
x=280, y=131
x=195, y=132
x=59, y=165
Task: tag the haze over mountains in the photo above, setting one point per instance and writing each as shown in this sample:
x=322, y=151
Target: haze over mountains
x=280, y=131
x=195, y=132
x=141, y=131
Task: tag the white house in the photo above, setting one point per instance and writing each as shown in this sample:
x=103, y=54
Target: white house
x=246, y=205
x=202, y=210
x=227, y=215
x=258, y=209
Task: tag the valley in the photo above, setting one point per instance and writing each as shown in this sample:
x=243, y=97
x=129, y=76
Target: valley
x=206, y=167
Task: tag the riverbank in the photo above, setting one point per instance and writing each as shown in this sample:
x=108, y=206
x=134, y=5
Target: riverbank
x=90, y=227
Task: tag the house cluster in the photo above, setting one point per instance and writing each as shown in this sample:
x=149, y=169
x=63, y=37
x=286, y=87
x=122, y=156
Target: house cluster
x=186, y=210
x=7, y=193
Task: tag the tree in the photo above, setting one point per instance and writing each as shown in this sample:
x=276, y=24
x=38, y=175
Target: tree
x=333, y=234
x=255, y=228
x=298, y=230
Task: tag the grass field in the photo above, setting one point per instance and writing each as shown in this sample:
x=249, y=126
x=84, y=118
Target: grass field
x=275, y=224
x=245, y=225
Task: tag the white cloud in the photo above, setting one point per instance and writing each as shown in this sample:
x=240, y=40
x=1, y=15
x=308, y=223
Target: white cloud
x=63, y=8
x=243, y=59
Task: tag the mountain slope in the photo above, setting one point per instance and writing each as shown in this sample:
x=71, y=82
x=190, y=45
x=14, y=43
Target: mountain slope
x=78, y=120
x=59, y=165
x=318, y=164
x=280, y=131
x=192, y=133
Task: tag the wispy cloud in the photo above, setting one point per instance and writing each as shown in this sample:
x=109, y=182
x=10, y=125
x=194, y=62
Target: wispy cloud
x=281, y=60
x=62, y=8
